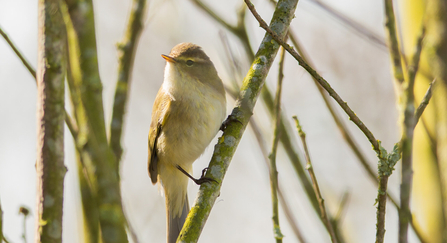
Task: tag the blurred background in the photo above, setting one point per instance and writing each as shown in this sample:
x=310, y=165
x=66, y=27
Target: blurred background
x=357, y=68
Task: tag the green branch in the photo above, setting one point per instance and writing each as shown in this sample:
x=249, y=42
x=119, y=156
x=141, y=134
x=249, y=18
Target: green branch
x=272, y=157
x=126, y=49
x=87, y=85
x=18, y=53
x=232, y=135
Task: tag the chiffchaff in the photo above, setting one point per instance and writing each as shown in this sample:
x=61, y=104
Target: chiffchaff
x=187, y=114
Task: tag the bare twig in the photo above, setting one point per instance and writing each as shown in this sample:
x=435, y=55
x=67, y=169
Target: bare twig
x=239, y=29
x=127, y=49
x=424, y=102
x=323, y=213
x=356, y=26
x=353, y=117
x=390, y=24
x=261, y=142
x=272, y=157
x=68, y=120
x=22, y=58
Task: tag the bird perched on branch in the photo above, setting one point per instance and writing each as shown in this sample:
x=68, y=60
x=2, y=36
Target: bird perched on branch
x=187, y=114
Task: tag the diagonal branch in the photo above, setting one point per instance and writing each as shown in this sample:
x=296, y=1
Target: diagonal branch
x=18, y=53
x=352, y=116
x=232, y=135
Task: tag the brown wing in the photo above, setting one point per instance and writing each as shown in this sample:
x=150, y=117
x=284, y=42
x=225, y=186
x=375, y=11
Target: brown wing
x=159, y=115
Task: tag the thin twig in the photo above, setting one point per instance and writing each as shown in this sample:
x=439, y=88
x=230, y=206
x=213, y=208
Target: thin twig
x=323, y=213
x=358, y=27
x=22, y=58
x=68, y=120
x=261, y=142
x=239, y=30
x=272, y=168
x=424, y=102
x=390, y=24
x=353, y=117
x=127, y=49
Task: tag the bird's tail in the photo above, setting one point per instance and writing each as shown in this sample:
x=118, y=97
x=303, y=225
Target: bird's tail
x=175, y=222
x=177, y=207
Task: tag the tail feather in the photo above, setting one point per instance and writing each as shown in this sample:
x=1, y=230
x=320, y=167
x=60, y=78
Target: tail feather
x=175, y=223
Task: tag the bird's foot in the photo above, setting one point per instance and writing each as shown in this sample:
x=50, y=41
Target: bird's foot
x=199, y=181
x=229, y=119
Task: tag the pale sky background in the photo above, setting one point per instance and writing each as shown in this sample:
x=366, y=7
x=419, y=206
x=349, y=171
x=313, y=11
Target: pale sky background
x=358, y=70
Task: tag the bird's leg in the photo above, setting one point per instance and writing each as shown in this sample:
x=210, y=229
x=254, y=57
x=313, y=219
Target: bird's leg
x=199, y=181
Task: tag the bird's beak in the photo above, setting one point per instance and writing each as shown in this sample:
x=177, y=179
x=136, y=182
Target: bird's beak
x=169, y=59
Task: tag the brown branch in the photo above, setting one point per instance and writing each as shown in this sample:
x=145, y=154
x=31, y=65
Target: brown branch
x=352, y=116
x=309, y=167
x=50, y=122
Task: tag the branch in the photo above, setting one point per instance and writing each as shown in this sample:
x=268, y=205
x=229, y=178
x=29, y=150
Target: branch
x=352, y=116
x=127, y=49
x=309, y=167
x=28, y=66
x=88, y=87
x=390, y=24
x=267, y=97
x=272, y=157
x=358, y=27
x=261, y=142
x=238, y=30
x=17, y=52
x=227, y=144
x=50, y=122
x=424, y=102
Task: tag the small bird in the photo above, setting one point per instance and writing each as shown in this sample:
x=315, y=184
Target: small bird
x=187, y=114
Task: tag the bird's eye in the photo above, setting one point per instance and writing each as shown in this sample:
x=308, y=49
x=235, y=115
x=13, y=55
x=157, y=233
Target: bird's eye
x=189, y=63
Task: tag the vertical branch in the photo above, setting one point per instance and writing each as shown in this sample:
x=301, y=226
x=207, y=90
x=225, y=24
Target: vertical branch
x=272, y=157
x=87, y=85
x=50, y=122
x=227, y=144
x=126, y=49
x=309, y=167
x=406, y=144
x=390, y=26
